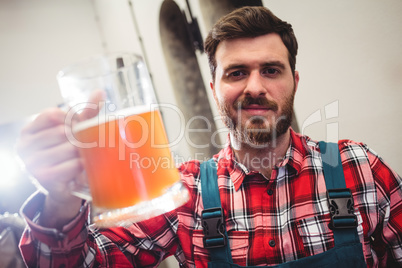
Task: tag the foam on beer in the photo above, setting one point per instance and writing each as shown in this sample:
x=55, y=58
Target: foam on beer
x=105, y=117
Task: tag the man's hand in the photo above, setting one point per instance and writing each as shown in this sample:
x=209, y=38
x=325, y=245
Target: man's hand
x=54, y=162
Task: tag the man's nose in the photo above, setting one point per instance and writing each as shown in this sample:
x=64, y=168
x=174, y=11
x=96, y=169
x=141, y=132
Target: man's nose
x=255, y=85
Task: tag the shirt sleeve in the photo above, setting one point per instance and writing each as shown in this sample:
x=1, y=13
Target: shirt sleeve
x=78, y=244
x=387, y=239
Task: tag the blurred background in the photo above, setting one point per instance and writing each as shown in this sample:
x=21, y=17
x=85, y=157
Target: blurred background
x=350, y=65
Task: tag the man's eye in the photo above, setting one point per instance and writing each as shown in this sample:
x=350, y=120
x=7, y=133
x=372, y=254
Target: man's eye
x=236, y=73
x=271, y=71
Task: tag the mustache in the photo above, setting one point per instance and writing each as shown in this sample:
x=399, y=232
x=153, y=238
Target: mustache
x=247, y=101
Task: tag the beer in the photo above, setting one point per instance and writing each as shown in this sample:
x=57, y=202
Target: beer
x=126, y=157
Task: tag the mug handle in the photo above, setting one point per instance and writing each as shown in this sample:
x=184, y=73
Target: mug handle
x=80, y=187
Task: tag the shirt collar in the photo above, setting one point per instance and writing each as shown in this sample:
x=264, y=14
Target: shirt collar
x=227, y=164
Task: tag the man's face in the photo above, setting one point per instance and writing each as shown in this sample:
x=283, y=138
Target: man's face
x=254, y=88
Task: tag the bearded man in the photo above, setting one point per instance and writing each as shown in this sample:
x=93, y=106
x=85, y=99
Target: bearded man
x=267, y=199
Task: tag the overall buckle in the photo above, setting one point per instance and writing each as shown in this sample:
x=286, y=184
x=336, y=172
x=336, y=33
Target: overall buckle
x=341, y=208
x=213, y=227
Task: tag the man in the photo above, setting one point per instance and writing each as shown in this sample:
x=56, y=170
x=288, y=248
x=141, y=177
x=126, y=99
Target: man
x=271, y=181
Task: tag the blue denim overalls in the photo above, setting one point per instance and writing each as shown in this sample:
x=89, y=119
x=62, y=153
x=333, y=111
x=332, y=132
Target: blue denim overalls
x=348, y=250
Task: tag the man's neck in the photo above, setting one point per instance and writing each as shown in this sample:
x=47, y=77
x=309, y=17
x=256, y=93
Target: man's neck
x=261, y=158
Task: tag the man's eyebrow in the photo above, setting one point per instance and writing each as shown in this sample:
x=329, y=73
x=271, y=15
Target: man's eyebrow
x=234, y=66
x=274, y=63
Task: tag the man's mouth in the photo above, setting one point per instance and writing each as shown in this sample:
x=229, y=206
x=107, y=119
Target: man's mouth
x=257, y=106
x=255, y=109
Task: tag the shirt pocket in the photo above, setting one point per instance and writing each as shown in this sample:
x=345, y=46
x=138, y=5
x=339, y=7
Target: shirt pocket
x=315, y=234
x=238, y=241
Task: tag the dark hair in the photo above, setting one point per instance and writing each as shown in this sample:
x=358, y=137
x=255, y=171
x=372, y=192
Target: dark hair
x=249, y=22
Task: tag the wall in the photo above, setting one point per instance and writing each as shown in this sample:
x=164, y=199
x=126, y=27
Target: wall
x=38, y=38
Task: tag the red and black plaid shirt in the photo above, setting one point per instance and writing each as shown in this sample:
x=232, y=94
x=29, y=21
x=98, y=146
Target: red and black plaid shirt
x=269, y=221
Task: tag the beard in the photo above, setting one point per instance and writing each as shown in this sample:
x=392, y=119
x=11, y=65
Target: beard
x=257, y=131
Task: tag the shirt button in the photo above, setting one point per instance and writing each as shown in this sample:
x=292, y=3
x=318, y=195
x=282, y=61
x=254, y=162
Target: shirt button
x=270, y=192
x=272, y=243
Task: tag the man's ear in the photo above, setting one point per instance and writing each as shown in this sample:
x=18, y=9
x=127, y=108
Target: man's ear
x=212, y=86
x=297, y=77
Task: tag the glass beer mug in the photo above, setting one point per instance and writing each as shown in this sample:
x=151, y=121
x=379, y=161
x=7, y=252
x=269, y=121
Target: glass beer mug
x=118, y=129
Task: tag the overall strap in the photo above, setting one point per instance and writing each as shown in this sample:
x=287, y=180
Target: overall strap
x=344, y=221
x=213, y=222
